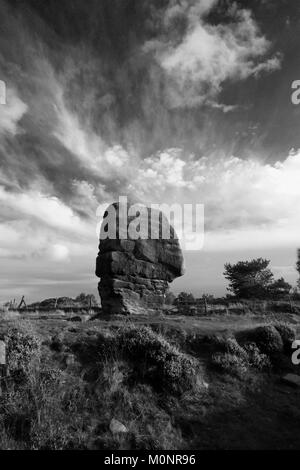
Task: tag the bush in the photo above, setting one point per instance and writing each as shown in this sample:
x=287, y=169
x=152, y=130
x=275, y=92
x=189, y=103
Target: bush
x=266, y=338
x=230, y=357
x=173, y=335
x=255, y=358
x=230, y=346
x=287, y=334
x=199, y=345
x=22, y=350
x=155, y=359
x=229, y=363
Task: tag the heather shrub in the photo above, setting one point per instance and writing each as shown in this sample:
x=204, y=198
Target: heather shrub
x=23, y=349
x=173, y=335
x=229, y=346
x=266, y=338
x=229, y=363
x=255, y=358
x=214, y=343
x=231, y=357
x=287, y=334
x=155, y=359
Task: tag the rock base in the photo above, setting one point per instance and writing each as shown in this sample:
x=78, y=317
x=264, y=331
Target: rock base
x=122, y=295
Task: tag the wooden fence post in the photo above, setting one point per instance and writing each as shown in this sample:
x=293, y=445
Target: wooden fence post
x=22, y=303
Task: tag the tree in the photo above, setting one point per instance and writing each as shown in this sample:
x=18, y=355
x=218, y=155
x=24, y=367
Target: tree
x=86, y=299
x=184, y=297
x=279, y=288
x=209, y=298
x=249, y=279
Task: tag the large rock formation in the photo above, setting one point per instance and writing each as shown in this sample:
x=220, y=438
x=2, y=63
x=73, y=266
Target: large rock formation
x=135, y=272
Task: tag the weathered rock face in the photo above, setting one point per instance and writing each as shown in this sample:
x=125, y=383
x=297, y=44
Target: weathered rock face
x=135, y=272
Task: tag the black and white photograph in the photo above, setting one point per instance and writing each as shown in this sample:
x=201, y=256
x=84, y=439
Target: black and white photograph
x=149, y=227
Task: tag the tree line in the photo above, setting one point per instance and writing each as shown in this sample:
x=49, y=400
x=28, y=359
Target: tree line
x=252, y=280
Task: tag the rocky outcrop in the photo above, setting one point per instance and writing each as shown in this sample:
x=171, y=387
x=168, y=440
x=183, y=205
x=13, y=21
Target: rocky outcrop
x=135, y=272
x=61, y=303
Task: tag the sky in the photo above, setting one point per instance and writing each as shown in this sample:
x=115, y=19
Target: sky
x=163, y=101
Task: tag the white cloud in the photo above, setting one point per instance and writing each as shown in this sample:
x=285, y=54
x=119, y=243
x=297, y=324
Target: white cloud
x=44, y=209
x=208, y=55
x=19, y=239
x=11, y=112
x=248, y=203
x=39, y=227
x=87, y=146
x=274, y=63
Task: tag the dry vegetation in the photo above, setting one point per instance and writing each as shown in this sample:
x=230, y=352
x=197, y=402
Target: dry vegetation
x=174, y=383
